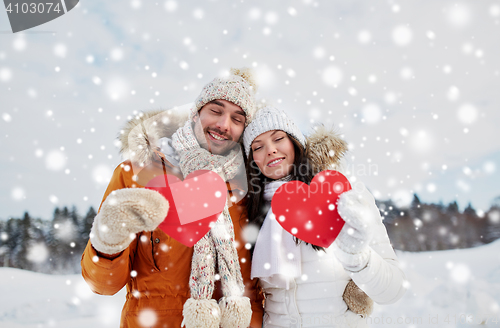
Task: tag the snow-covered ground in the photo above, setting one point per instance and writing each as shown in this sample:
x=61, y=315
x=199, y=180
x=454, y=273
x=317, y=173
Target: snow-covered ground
x=36, y=300
x=457, y=288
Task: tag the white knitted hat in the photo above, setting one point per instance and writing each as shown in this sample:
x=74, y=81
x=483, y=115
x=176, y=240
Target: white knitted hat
x=239, y=88
x=268, y=119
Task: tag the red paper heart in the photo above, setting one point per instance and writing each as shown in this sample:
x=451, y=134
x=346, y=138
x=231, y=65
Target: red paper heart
x=195, y=204
x=310, y=212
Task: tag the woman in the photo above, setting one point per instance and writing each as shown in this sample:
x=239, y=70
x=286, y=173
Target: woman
x=306, y=285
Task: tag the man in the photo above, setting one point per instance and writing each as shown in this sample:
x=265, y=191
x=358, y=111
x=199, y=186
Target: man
x=168, y=283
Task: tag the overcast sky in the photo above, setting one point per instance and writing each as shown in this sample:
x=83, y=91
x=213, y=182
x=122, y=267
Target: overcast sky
x=412, y=85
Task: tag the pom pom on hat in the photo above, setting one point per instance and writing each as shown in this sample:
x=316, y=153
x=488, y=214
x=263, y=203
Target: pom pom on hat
x=246, y=74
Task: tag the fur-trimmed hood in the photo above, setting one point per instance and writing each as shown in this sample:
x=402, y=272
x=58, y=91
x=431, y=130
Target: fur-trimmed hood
x=139, y=139
x=325, y=149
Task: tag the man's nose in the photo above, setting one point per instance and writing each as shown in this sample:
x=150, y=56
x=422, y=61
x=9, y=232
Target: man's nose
x=223, y=123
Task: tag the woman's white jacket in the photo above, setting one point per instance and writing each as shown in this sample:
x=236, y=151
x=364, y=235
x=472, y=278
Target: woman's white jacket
x=315, y=298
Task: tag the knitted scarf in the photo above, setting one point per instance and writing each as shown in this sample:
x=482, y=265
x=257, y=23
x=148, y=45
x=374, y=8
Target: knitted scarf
x=217, y=246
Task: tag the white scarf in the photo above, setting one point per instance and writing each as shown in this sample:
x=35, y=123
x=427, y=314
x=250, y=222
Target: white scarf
x=275, y=251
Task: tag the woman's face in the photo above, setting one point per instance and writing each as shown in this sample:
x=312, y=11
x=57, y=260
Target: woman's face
x=274, y=154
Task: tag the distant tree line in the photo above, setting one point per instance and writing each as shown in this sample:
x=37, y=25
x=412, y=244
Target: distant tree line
x=431, y=227
x=48, y=246
x=56, y=246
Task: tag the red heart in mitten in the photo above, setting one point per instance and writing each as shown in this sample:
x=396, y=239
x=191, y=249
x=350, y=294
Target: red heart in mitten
x=310, y=212
x=195, y=204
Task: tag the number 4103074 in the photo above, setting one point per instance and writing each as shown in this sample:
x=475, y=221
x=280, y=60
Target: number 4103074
x=465, y=318
x=34, y=8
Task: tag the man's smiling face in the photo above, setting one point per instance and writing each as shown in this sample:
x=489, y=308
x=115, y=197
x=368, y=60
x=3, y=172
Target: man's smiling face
x=222, y=124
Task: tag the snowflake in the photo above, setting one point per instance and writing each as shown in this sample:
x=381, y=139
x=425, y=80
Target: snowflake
x=5, y=74
x=37, y=253
x=364, y=36
x=332, y=76
x=55, y=160
x=467, y=114
x=60, y=50
x=402, y=35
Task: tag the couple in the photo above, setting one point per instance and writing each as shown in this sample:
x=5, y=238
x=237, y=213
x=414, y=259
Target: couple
x=172, y=285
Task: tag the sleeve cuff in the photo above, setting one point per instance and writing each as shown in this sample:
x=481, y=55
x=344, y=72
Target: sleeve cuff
x=353, y=262
x=373, y=263
x=103, y=260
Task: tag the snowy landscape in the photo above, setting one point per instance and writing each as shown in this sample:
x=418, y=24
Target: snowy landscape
x=455, y=288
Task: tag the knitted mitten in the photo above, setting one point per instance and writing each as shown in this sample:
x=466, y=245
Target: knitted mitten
x=357, y=208
x=124, y=213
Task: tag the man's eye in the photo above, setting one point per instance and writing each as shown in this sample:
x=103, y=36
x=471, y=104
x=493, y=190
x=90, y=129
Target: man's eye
x=237, y=120
x=214, y=111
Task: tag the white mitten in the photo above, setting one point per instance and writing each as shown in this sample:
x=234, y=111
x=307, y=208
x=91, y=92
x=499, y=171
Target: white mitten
x=124, y=213
x=358, y=209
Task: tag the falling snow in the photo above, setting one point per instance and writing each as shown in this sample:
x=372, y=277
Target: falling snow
x=372, y=113
x=402, y=35
x=102, y=174
x=332, y=76
x=60, y=50
x=37, y=253
x=19, y=43
x=459, y=15
x=5, y=74
x=55, y=160
x=364, y=37
x=18, y=193
x=6, y=117
x=117, y=88
x=467, y=114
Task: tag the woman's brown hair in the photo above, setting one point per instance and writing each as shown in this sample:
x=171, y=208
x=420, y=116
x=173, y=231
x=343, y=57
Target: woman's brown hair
x=257, y=207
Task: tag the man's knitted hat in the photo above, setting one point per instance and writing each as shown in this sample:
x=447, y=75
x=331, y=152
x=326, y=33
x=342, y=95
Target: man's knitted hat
x=239, y=88
x=268, y=119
